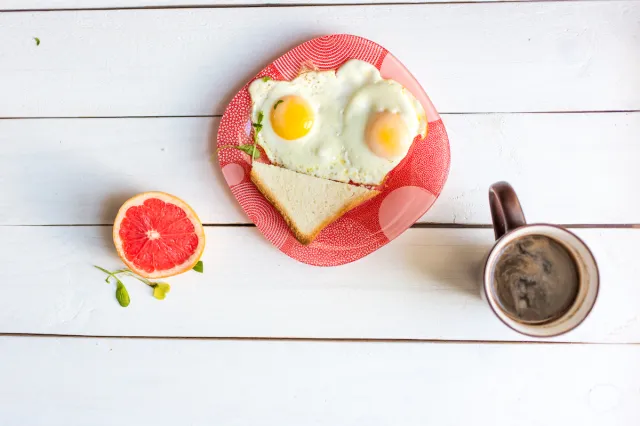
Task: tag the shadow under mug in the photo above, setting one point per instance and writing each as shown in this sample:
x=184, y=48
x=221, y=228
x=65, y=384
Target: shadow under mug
x=509, y=224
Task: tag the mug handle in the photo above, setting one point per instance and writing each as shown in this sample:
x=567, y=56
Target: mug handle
x=506, y=212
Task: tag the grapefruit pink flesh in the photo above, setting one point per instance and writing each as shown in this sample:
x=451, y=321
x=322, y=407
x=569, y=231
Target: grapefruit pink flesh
x=158, y=237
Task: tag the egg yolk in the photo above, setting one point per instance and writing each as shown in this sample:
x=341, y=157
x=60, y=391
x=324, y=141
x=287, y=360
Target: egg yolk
x=291, y=117
x=386, y=135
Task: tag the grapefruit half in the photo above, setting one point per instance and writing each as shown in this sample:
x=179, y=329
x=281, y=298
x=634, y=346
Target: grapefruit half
x=158, y=235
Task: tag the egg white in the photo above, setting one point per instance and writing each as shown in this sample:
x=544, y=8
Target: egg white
x=384, y=95
x=342, y=102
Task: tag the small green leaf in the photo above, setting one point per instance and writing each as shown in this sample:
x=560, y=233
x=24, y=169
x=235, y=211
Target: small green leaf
x=122, y=295
x=277, y=103
x=252, y=150
x=160, y=290
x=199, y=267
x=258, y=125
x=266, y=78
x=37, y=41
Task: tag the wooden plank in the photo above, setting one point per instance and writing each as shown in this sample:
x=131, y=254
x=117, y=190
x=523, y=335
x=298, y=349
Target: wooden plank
x=100, y=4
x=489, y=57
x=69, y=382
x=567, y=168
x=424, y=285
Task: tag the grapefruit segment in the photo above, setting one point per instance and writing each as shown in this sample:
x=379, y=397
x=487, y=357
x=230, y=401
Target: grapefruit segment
x=158, y=235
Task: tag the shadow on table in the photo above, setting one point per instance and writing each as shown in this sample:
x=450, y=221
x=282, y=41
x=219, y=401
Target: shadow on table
x=109, y=210
x=112, y=203
x=450, y=266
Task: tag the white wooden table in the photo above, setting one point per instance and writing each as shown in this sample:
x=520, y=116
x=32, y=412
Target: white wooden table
x=123, y=96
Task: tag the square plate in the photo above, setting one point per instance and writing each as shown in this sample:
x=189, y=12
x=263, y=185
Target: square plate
x=408, y=192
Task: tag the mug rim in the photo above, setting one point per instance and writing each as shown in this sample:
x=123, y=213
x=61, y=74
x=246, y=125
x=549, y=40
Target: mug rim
x=595, y=299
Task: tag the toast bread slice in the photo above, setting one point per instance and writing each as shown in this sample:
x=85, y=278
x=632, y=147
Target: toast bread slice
x=307, y=203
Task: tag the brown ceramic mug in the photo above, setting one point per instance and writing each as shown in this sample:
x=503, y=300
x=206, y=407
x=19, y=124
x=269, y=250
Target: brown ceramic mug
x=509, y=225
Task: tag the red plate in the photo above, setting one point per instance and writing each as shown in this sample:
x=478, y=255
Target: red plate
x=408, y=192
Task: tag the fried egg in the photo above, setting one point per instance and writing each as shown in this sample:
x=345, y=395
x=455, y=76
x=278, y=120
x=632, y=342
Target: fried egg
x=344, y=125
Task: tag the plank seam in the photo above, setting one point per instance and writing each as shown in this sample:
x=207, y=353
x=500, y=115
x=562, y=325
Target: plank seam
x=111, y=117
x=288, y=5
x=313, y=339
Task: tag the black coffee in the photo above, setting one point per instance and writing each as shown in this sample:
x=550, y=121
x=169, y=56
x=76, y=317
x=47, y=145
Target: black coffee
x=535, y=279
